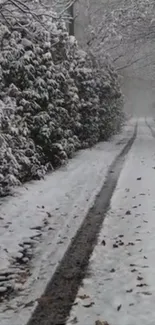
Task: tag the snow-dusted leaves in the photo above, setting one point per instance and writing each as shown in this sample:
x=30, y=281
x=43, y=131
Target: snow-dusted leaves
x=54, y=100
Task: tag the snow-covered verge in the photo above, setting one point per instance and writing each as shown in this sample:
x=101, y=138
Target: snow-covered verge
x=38, y=222
x=54, y=99
x=120, y=286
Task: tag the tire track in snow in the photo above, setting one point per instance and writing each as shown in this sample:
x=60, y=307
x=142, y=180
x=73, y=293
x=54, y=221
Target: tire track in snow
x=54, y=306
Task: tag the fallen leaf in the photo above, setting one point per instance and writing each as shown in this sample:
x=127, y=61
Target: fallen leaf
x=119, y=307
x=127, y=190
x=130, y=290
x=46, y=222
x=142, y=285
x=145, y=266
x=130, y=244
x=50, y=228
x=101, y=322
x=115, y=246
x=121, y=243
x=36, y=228
x=139, y=278
x=128, y=212
x=103, y=242
x=49, y=215
x=146, y=293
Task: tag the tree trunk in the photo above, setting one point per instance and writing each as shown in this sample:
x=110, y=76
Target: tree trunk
x=71, y=24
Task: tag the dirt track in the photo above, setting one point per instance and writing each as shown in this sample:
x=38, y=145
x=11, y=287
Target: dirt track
x=54, y=306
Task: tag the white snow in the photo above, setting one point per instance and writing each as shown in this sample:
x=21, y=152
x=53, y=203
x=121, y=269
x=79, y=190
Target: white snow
x=116, y=274
x=56, y=207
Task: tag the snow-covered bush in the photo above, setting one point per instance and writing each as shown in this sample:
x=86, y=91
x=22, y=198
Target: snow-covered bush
x=53, y=99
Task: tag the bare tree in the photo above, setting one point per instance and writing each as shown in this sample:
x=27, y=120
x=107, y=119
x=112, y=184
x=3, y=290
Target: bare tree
x=125, y=29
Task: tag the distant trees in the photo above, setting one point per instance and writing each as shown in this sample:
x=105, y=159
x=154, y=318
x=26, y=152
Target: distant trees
x=125, y=29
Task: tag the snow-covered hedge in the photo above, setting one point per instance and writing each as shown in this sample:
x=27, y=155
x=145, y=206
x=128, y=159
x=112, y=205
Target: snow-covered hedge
x=53, y=100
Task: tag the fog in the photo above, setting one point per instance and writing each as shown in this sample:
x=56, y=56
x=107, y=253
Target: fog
x=138, y=80
x=139, y=95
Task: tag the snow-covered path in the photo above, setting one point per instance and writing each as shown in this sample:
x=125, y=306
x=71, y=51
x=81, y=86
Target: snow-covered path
x=120, y=286
x=39, y=221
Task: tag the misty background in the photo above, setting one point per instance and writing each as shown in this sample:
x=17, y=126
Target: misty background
x=138, y=79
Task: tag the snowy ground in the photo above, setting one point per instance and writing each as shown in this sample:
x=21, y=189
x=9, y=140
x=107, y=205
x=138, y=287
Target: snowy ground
x=38, y=222
x=120, y=286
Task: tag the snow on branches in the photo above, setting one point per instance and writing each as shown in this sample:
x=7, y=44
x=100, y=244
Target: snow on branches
x=54, y=99
x=124, y=29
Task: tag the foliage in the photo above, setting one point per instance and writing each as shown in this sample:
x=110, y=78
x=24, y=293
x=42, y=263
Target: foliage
x=54, y=99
